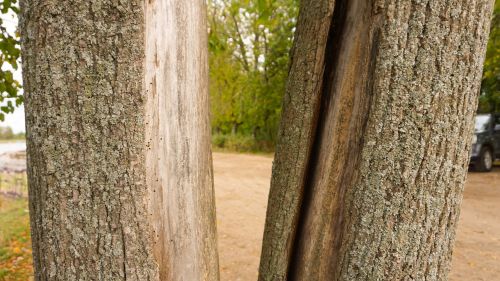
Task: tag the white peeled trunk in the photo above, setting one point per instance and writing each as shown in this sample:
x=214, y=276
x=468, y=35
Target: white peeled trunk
x=178, y=138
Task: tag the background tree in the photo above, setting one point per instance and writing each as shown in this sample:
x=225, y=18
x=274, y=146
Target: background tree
x=249, y=43
x=9, y=55
x=374, y=140
x=118, y=140
x=489, y=100
x=246, y=101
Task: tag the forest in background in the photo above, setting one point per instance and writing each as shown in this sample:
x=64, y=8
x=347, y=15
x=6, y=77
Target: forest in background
x=249, y=45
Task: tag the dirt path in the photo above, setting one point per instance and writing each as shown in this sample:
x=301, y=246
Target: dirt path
x=242, y=186
x=477, y=249
x=241, y=189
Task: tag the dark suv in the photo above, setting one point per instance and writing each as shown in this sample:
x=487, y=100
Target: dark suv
x=486, y=142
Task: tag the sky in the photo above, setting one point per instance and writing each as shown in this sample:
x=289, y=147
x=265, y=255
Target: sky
x=14, y=120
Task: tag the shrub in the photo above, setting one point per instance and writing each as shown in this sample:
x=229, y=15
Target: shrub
x=240, y=143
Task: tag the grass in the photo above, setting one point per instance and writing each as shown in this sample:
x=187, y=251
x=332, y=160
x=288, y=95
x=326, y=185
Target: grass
x=12, y=140
x=13, y=184
x=15, y=244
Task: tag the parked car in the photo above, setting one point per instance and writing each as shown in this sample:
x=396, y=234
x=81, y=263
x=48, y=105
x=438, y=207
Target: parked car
x=486, y=142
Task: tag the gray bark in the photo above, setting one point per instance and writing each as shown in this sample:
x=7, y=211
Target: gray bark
x=374, y=141
x=118, y=139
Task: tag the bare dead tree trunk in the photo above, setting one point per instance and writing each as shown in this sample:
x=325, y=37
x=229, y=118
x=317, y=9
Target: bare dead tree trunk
x=374, y=141
x=119, y=164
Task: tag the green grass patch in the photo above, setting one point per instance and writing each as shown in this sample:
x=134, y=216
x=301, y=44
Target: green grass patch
x=15, y=243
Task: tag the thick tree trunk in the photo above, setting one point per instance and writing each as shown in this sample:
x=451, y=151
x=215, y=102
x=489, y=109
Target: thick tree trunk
x=119, y=163
x=374, y=140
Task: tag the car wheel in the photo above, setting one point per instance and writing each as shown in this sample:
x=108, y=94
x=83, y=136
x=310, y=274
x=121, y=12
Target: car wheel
x=485, y=161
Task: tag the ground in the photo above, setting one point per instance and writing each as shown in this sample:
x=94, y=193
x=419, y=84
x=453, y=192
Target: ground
x=477, y=249
x=241, y=188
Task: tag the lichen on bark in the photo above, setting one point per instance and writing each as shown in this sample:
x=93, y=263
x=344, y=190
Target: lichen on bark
x=89, y=130
x=370, y=165
x=85, y=139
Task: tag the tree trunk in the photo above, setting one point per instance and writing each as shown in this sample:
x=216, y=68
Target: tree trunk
x=374, y=140
x=119, y=163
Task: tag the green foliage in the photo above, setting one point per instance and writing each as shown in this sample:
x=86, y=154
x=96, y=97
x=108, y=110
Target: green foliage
x=249, y=43
x=241, y=143
x=9, y=56
x=489, y=100
x=234, y=142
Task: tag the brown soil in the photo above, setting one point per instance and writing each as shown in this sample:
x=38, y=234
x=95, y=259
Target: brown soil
x=477, y=249
x=242, y=186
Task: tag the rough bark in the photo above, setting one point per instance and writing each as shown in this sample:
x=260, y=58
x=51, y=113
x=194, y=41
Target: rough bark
x=374, y=142
x=119, y=164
